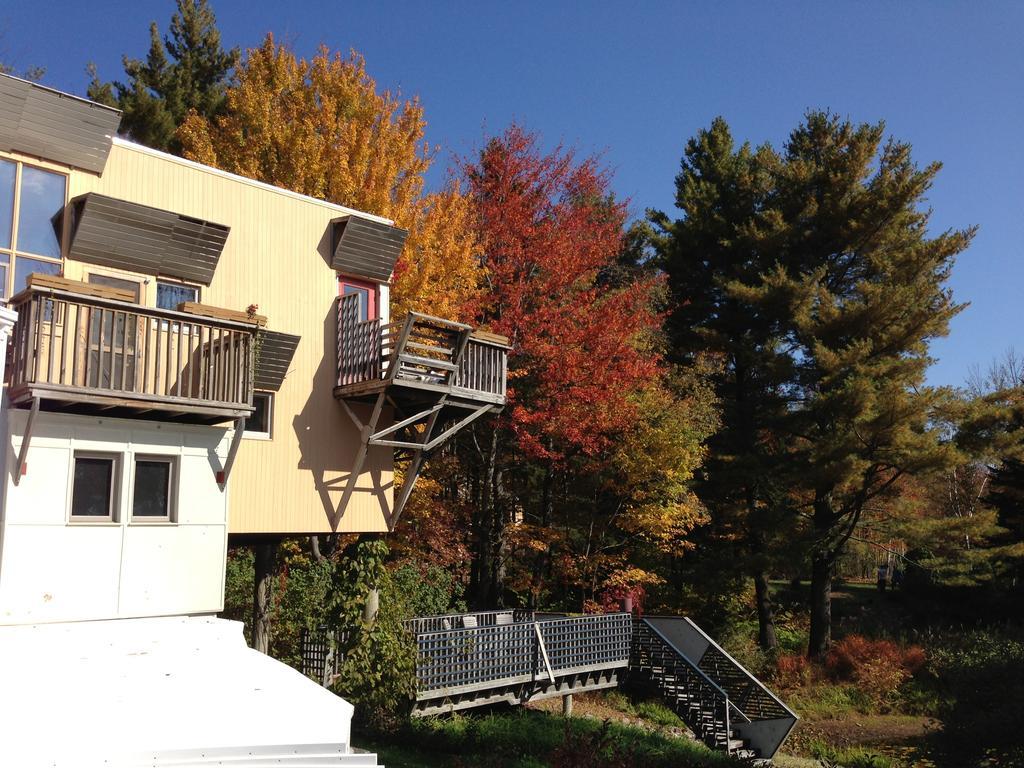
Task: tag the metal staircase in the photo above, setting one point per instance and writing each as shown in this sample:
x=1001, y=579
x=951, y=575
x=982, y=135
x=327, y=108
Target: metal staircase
x=725, y=706
x=477, y=659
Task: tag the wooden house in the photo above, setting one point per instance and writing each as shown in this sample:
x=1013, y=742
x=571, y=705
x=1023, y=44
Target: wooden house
x=197, y=356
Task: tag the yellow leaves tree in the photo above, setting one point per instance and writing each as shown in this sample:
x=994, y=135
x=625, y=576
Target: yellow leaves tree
x=321, y=128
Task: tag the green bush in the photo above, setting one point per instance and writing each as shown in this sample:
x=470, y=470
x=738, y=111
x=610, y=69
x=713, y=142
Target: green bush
x=429, y=591
x=853, y=757
x=378, y=672
x=981, y=674
x=528, y=737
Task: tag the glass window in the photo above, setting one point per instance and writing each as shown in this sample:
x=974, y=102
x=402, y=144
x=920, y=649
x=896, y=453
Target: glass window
x=24, y=267
x=151, y=496
x=92, y=494
x=260, y=424
x=116, y=282
x=170, y=295
x=364, y=300
x=8, y=170
x=42, y=198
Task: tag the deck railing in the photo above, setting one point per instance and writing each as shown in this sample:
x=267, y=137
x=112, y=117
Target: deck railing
x=69, y=346
x=422, y=350
x=453, y=661
x=467, y=620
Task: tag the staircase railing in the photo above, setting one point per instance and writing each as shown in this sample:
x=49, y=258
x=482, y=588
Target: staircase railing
x=702, y=704
x=762, y=719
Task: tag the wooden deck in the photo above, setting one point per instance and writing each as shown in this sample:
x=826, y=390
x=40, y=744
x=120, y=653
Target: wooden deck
x=427, y=376
x=418, y=359
x=83, y=351
x=516, y=657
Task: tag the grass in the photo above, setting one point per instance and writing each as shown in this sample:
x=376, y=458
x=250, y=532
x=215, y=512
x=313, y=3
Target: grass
x=653, y=712
x=854, y=757
x=526, y=738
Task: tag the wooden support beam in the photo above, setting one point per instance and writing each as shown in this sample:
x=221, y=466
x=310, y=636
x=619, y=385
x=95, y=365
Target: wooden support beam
x=21, y=466
x=236, y=440
x=357, y=467
x=544, y=652
x=450, y=432
x=406, y=422
x=414, y=470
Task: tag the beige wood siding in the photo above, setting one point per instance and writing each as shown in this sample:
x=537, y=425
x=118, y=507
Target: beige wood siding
x=278, y=257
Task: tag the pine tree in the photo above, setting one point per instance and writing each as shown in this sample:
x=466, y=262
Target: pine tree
x=720, y=190
x=859, y=288
x=183, y=71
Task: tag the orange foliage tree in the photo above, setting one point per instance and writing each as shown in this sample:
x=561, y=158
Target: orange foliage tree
x=321, y=128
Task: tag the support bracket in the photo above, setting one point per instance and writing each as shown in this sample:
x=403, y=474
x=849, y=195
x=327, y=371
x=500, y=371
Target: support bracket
x=229, y=462
x=21, y=467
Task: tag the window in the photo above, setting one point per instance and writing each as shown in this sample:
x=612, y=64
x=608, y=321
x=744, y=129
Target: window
x=134, y=287
x=93, y=491
x=170, y=295
x=31, y=200
x=153, y=489
x=261, y=423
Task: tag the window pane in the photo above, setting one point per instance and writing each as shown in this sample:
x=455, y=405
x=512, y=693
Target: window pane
x=116, y=282
x=7, y=172
x=260, y=419
x=91, y=494
x=364, y=300
x=24, y=267
x=170, y=295
x=152, y=487
x=42, y=198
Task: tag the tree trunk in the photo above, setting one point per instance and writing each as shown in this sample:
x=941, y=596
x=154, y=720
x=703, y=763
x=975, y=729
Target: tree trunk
x=265, y=554
x=821, y=605
x=766, y=637
x=484, y=576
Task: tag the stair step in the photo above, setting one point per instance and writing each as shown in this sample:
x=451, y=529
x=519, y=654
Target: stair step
x=428, y=362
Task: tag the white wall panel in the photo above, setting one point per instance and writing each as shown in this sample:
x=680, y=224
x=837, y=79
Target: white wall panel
x=172, y=570
x=58, y=573
x=55, y=570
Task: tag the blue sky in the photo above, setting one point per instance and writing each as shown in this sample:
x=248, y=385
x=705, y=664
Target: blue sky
x=633, y=81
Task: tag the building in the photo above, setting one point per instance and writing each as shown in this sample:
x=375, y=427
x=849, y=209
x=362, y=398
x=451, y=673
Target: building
x=196, y=356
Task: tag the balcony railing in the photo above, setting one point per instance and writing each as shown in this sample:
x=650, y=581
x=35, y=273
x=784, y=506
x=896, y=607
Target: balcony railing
x=88, y=349
x=419, y=351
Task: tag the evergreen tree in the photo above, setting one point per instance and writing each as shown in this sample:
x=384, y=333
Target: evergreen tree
x=720, y=190
x=811, y=272
x=860, y=290
x=185, y=70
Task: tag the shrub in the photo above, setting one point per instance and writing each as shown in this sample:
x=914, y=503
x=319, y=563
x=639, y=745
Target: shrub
x=428, y=590
x=793, y=671
x=982, y=675
x=879, y=667
x=378, y=671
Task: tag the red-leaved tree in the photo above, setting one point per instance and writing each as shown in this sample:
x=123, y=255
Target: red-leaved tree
x=551, y=233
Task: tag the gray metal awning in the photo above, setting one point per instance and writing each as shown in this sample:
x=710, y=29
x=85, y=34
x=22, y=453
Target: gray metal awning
x=364, y=248
x=117, y=233
x=56, y=126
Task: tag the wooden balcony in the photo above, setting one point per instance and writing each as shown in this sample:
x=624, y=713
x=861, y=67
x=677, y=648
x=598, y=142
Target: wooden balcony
x=418, y=358
x=437, y=377
x=75, y=348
